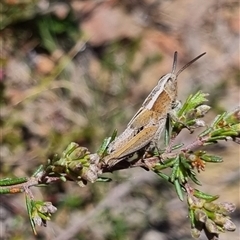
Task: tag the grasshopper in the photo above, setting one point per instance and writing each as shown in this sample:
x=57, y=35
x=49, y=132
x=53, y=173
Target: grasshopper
x=148, y=123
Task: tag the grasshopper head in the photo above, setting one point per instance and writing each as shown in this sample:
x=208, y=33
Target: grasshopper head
x=173, y=76
x=170, y=78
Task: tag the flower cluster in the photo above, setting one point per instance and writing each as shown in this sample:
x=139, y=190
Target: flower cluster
x=212, y=218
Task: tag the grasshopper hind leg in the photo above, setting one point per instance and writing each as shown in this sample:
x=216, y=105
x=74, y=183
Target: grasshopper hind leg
x=155, y=144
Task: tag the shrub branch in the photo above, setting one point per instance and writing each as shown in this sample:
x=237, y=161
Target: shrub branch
x=184, y=161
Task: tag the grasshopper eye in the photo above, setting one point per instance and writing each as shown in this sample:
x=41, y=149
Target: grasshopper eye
x=172, y=78
x=172, y=82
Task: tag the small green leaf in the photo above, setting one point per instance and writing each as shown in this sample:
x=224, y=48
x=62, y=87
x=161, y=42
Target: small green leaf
x=215, y=139
x=103, y=179
x=211, y=158
x=182, y=175
x=103, y=148
x=29, y=206
x=217, y=132
x=185, y=163
x=114, y=134
x=38, y=171
x=175, y=147
x=205, y=132
x=70, y=148
x=5, y=190
x=166, y=164
x=162, y=175
x=175, y=170
x=229, y=133
x=217, y=119
x=205, y=196
x=12, y=181
x=193, y=178
x=178, y=188
x=43, y=216
x=63, y=178
x=191, y=217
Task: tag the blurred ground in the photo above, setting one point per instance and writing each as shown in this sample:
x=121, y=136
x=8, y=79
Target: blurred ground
x=75, y=71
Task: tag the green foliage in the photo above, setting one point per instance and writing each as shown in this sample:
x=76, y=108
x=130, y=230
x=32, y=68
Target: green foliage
x=102, y=151
x=72, y=165
x=211, y=217
x=39, y=212
x=12, y=181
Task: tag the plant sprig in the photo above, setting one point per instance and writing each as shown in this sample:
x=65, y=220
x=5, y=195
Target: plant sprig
x=77, y=164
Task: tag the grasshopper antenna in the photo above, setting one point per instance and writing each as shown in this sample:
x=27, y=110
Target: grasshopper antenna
x=188, y=64
x=174, y=62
